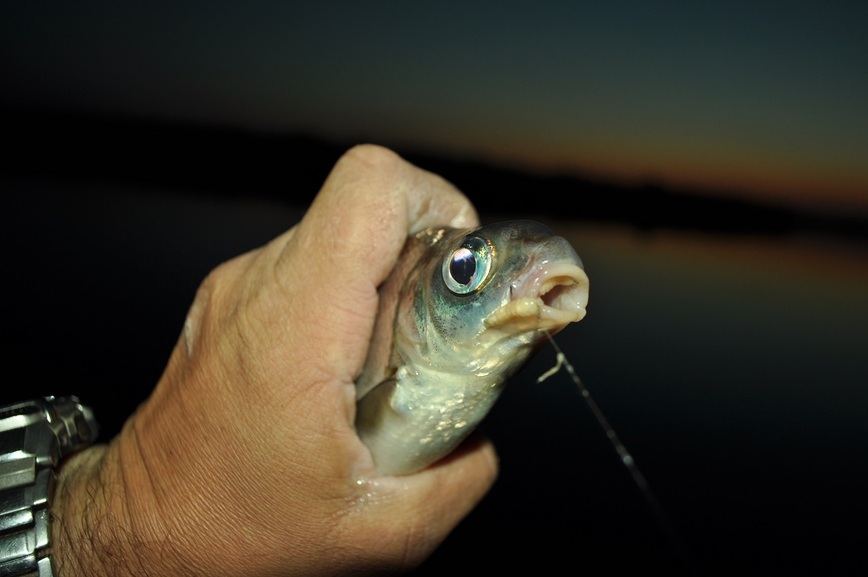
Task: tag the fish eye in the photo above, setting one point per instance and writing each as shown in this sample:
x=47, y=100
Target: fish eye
x=468, y=266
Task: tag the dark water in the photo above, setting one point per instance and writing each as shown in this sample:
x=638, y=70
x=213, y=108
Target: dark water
x=733, y=368
x=735, y=371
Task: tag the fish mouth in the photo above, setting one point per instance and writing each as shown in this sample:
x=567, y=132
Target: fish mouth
x=550, y=299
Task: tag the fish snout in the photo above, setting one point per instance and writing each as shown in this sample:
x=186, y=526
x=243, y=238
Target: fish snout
x=550, y=297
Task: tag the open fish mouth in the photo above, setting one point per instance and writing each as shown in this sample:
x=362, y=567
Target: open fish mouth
x=550, y=299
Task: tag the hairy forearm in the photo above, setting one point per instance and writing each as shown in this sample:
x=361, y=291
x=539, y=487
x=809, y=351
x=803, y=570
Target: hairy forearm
x=91, y=529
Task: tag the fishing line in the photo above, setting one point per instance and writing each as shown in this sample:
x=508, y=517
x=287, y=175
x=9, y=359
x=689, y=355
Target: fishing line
x=671, y=534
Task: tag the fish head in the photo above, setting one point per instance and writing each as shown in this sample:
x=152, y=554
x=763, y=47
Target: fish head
x=462, y=311
x=488, y=296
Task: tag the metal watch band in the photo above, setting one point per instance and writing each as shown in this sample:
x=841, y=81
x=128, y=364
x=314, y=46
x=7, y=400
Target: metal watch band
x=34, y=436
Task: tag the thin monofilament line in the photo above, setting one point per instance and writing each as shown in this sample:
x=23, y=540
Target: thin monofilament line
x=666, y=527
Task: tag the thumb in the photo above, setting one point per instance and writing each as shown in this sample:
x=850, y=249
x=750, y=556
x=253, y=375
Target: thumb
x=415, y=513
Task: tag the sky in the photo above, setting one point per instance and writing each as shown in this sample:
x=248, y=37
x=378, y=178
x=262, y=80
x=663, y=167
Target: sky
x=747, y=97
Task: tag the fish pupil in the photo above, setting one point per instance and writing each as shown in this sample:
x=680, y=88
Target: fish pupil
x=463, y=266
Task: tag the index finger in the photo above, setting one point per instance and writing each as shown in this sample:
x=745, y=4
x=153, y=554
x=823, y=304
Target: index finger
x=350, y=239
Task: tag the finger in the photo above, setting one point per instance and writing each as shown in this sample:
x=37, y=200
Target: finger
x=350, y=238
x=420, y=510
x=372, y=200
x=449, y=489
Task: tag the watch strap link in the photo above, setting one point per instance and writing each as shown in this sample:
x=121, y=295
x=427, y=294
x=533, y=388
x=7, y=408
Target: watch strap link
x=34, y=436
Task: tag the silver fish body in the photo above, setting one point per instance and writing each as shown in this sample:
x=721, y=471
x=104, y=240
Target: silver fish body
x=460, y=314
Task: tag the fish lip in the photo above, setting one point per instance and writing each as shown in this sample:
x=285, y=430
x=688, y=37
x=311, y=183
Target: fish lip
x=550, y=298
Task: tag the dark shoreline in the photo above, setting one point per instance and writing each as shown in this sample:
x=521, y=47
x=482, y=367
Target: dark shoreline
x=291, y=167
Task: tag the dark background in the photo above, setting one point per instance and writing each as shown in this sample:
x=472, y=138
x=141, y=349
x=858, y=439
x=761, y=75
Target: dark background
x=725, y=339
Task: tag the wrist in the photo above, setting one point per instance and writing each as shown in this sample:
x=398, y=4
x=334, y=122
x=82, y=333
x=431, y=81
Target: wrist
x=92, y=529
x=108, y=520
x=79, y=500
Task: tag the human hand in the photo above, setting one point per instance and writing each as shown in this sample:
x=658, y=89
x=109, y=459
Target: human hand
x=244, y=460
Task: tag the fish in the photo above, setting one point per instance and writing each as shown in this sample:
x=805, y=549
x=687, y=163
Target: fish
x=462, y=311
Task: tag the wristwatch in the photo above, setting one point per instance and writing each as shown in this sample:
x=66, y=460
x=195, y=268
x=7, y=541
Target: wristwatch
x=34, y=436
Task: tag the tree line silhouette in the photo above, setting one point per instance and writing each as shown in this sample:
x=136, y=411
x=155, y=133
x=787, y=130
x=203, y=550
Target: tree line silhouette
x=222, y=160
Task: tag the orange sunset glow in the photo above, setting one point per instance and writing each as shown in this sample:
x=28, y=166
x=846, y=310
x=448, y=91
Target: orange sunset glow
x=727, y=98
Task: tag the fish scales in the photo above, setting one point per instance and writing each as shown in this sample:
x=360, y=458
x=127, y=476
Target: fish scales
x=462, y=312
